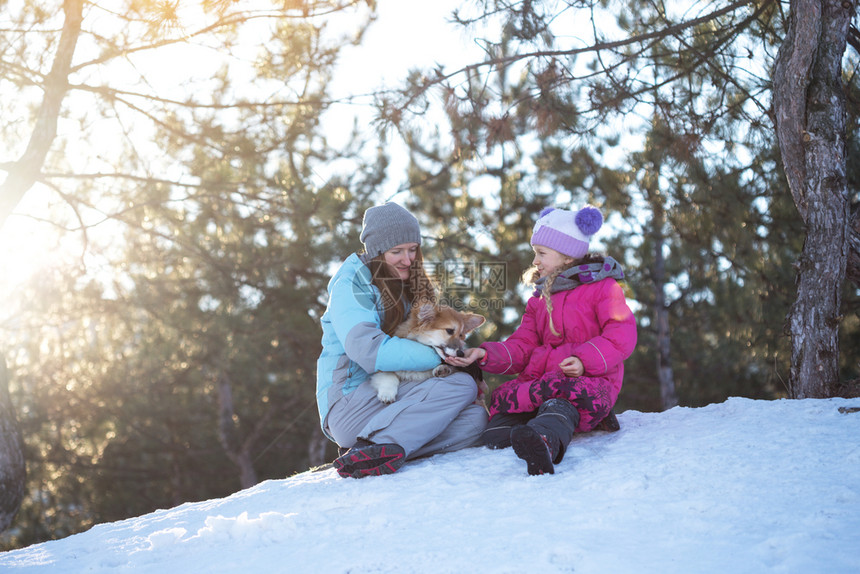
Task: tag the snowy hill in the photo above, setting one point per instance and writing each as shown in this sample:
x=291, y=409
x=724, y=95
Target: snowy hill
x=742, y=486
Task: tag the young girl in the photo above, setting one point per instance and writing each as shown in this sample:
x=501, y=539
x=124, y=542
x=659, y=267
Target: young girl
x=369, y=296
x=576, y=332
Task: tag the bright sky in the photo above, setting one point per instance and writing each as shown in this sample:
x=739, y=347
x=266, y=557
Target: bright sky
x=407, y=35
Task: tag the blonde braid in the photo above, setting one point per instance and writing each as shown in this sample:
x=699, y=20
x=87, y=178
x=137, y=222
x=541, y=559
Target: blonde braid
x=545, y=295
x=531, y=276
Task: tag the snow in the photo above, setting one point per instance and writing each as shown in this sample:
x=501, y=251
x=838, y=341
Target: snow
x=740, y=486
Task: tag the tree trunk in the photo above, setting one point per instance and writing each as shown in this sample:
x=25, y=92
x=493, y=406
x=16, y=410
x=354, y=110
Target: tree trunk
x=238, y=451
x=668, y=396
x=316, y=448
x=809, y=107
x=665, y=373
x=25, y=172
x=12, y=467
x=657, y=202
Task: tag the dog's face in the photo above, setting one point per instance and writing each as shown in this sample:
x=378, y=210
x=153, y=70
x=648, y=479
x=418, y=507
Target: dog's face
x=442, y=328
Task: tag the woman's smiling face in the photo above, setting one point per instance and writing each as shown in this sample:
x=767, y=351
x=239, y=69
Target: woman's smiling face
x=401, y=257
x=548, y=260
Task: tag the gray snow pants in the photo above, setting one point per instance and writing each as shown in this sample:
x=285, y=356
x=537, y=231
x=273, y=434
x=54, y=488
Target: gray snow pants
x=427, y=417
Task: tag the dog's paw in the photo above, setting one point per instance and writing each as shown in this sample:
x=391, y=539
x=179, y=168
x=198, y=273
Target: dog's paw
x=443, y=370
x=386, y=386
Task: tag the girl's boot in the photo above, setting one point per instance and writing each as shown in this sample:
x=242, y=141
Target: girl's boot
x=498, y=431
x=542, y=441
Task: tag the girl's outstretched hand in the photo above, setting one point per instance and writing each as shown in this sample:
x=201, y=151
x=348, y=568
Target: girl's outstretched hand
x=572, y=367
x=469, y=357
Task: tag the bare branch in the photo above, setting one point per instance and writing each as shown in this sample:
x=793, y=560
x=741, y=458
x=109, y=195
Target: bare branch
x=854, y=38
x=27, y=168
x=226, y=21
x=596, y=48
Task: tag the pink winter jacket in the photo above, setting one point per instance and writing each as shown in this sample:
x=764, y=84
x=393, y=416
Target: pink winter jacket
x=595, y=324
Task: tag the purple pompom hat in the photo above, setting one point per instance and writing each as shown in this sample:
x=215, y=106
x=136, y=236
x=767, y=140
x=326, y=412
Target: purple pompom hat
x=568, y=232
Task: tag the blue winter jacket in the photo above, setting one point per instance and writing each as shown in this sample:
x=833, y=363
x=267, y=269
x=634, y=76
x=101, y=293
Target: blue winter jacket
x=353, y=342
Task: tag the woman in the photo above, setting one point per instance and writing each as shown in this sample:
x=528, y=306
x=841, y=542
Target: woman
x=369, y=296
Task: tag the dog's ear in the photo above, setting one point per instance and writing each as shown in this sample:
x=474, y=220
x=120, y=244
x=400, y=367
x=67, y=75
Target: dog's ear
x=426, y=312
x=472, y=321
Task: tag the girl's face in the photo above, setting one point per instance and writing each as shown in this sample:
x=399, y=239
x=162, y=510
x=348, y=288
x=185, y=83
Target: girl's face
x=548, y=260
x=401, y=257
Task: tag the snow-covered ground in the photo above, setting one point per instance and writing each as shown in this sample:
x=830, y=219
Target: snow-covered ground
x=741, y=486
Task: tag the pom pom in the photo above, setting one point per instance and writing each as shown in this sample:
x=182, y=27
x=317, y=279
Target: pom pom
x=545, y=210
x=589, y=220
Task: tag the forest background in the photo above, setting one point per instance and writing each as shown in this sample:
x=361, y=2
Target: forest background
x=197, y=170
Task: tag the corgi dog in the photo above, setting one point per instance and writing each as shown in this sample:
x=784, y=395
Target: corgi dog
x=437, y=326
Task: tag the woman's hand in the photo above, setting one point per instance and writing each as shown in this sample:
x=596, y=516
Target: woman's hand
x=469, y=357
x=572, y=367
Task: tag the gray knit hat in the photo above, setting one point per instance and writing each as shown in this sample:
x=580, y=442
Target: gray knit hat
x=388, y=225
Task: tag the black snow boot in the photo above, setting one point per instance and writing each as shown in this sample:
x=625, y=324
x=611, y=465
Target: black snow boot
x=532, y=447
x=498, y=431
x=366, y=458
x=543, y=440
